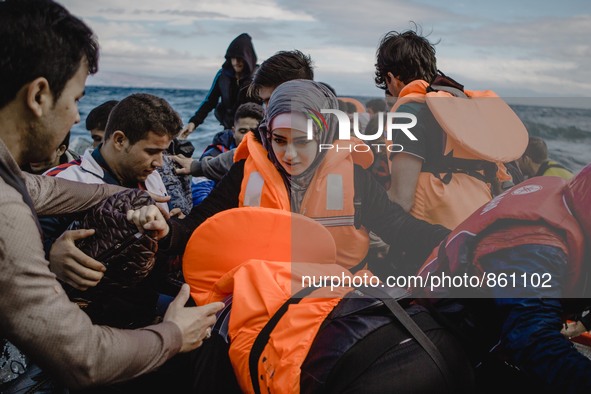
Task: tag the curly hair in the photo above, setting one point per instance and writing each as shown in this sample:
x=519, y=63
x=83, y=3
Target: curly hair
x=407, y=55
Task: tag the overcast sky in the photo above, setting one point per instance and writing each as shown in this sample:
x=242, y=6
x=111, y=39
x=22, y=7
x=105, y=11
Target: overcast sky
x=519, y=48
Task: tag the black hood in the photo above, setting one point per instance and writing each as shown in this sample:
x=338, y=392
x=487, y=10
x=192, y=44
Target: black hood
x=241, y=47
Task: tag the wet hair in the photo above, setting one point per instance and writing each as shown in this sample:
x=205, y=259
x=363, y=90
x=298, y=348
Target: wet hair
x=281, y=67
x=40, y=38
x=537, y=150
x=98, y=117
x=377, y=105
x=407, y=55
x=140, y=113
x=249, y=110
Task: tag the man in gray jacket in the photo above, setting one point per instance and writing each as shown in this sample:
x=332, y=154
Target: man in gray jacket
x=46, y=56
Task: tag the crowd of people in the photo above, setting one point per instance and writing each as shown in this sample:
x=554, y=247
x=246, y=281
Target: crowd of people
x=215, y=249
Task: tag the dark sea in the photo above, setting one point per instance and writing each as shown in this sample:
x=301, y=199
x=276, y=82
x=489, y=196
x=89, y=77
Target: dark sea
x=567, y=131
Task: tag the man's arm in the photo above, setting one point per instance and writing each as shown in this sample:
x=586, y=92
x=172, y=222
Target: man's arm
x=410, y=239
x=404, y=175
x=209, y=103
x=38, y=317
x=213, y=167
x=55, y=196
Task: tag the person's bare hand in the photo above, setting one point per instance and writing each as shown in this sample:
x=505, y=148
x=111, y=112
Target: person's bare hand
x=149, y=218
x=573, y=330
x=158, y=197
x=73, y=266
x=176, y=212
x=184, y=162
x=194, y=322
x=188, y=129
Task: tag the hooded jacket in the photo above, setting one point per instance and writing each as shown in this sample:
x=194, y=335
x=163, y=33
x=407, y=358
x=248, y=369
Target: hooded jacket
x=232, y=92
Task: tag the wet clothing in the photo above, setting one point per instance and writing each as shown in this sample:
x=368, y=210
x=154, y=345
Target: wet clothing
x=227, y=92
x=553, y=168
x=37, y=316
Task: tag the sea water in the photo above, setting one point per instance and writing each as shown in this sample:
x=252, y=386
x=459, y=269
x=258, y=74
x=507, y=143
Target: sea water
x=567, y=130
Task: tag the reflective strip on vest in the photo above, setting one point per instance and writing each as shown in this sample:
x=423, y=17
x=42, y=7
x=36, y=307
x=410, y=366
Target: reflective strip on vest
x=334, y=192
x=336, y=221
x=254, y=190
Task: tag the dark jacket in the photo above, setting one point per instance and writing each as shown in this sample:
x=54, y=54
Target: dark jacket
x=409, y=237
x=232, y=92
x=222, y=142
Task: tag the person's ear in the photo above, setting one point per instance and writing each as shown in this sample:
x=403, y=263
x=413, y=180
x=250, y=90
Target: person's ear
x=61, y=150
x=39, y=96
x=119, y=140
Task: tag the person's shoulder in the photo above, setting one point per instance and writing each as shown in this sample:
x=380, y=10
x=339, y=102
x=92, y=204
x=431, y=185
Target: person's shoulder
x=413, y=107
x=58, y=170
x=225, y=137
x=12, y=206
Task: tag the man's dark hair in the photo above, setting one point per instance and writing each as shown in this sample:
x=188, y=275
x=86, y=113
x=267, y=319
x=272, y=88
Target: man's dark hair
x=249, y=110
x=537, y=150
x=408, y=56
x=377, y=105
x=40, y=38
x=281, y=67
x=98, y=117
x=140, y=113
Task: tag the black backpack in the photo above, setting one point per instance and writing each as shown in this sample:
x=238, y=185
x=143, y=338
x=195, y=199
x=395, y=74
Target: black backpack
x=360, y=342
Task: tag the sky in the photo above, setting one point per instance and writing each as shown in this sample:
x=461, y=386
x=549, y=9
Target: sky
x=518, y=48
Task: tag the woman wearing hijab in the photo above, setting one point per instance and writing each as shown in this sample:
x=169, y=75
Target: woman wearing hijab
x=289, y=171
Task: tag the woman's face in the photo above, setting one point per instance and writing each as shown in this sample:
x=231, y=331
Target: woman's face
x=293, y=150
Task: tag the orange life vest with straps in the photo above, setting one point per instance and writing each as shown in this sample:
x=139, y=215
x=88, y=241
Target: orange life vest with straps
x=477, y=126
x=329, y=199
x=262, y=271
x=538, y=201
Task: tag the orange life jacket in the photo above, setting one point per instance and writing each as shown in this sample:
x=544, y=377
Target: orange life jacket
x=329, y=198
x=537, y=200
x=263, y=269
x=441, y=198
